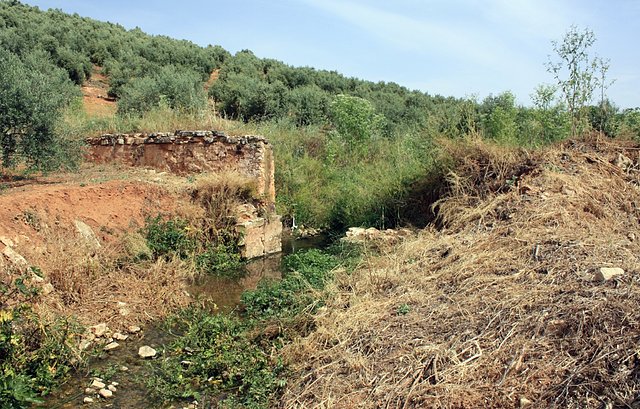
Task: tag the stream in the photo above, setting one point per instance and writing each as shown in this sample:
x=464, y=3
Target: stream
x=213, y=292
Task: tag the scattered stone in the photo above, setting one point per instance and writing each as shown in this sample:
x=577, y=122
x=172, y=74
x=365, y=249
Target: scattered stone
x=89, y=391
x=146, y=352
x=124, y=311
x=87, y=400
x=623, y=162
x=105, y=393
x=15, y=258
x=115, y=383
x=100, y=329
x=47, y=289
x=133, y=329
x=97, y=384
x=112, y=388
x=607, y=273
x=87, y=234
x=524, y=402
x=111, y=346
x=119, y=336
x=124, y=368
x=7, y=241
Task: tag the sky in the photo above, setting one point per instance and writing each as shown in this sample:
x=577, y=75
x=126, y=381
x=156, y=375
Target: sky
x=461, y=48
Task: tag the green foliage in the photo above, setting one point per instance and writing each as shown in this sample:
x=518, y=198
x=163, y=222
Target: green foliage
x=308, y=272
x=168, y=238
x=222, y=260
x=31, y=98
x=499, y=117
x=221, y=360
x=229, y=358
x=355, y=119
x=179, y=89
x=576, y=73
x=34, y=355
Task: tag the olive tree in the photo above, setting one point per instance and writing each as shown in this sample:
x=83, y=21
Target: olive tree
x=32, y=94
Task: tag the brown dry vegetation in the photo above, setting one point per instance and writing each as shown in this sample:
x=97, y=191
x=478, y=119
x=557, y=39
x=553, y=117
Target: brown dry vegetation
x=91, y=283
x=502, y=309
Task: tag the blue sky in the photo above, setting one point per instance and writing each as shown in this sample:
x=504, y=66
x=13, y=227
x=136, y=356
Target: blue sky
x=447, y=47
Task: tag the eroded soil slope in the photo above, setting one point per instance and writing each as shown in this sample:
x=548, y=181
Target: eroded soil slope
x=89, y=273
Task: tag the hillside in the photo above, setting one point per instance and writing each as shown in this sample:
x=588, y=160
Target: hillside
x=509, y=305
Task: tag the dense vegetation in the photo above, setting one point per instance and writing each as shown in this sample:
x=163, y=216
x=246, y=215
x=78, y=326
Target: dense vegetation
x=348, y=151
x=231, y=355
x=360, y=145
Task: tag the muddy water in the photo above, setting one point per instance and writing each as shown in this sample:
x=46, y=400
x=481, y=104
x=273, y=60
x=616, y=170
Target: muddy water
x=218, y=293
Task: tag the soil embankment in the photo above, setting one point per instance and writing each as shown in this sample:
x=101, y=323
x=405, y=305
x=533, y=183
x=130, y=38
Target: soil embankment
x=526, y=298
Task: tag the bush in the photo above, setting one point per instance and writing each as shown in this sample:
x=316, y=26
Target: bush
x=355, y=119
x=176, y=87
x=34, y=355
x=168, y=238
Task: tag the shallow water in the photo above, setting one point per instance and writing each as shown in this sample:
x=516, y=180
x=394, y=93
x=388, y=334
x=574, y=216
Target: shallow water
x=218, y=293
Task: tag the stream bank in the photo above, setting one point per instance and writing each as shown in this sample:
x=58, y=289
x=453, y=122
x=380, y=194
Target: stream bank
x=123, y=365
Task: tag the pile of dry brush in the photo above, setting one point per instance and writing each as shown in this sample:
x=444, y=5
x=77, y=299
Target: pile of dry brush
x=500, y=308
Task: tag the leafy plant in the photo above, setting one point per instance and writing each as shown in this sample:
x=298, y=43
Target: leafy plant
x=167, y=238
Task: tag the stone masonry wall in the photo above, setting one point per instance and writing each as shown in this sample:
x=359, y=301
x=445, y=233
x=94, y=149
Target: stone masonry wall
x=189, y=152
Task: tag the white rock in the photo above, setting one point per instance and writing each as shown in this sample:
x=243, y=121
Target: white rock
x=524, y=402
x=124, y=368
x=97, y=384
x=84, y=344
x=133, y=329
x=47, y=289
x=111, y=346
x=87, y=234
x=112, y=388
x=115, y=383
x=105, y=393
x=607, y=273
x=89, y=391
x=146, y=352
x=119, y=336
x=124, y=312
x=7, y=241
x=100, y=329
x=15, y=258
x=87, y=400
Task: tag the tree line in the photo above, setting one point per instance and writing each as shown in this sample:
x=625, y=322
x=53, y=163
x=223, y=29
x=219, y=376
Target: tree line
x=53, y=51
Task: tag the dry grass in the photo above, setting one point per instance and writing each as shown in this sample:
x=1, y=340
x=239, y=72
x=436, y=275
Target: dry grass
x=92, y=284
x=503, y=307
x=218, y=196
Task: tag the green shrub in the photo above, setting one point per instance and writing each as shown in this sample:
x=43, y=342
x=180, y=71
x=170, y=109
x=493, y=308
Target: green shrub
x=34, y=355
x=168, y=238
x=221, y=260
x=228, y=358
x=222, y=361
x=307, y=273
x=31, y=98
